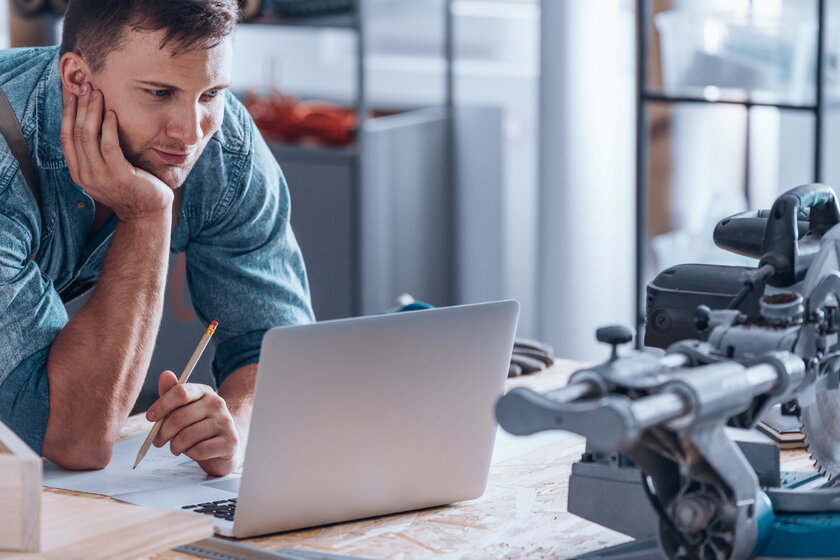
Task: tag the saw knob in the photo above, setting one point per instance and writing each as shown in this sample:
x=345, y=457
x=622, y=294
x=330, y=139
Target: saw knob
x=614, y=335
x=702, y=316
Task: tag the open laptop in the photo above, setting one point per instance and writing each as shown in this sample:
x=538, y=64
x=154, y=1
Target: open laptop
x=362, y=417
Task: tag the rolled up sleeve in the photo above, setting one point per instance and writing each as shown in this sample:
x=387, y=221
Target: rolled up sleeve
x=245, y=269
x=25, y=400
x=31, y=316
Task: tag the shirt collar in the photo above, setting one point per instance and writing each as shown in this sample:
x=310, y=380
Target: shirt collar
x=48, y=110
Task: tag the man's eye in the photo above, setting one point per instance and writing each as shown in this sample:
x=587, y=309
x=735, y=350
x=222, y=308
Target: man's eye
x=212, y=93
x=158, y=92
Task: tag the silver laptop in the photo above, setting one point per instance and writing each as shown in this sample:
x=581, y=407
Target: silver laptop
x=362, y=417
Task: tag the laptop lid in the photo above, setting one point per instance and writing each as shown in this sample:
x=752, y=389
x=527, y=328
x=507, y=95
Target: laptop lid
x=373, y=415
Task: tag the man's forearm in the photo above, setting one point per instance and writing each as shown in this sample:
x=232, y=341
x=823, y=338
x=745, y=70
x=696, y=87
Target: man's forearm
x=98, y=362
x=238, y=392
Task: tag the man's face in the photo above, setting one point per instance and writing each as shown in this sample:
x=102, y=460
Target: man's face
x=167, y=106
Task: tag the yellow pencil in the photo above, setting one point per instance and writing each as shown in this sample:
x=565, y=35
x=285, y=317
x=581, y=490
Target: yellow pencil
x=202, y=344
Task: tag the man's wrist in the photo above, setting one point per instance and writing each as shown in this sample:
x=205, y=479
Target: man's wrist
x=241, y=416
x=149, y=216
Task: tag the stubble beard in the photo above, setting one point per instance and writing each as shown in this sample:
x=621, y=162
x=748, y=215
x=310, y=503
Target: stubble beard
x=171, y=175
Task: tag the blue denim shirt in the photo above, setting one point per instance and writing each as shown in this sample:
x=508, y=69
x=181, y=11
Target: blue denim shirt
x=244, y=267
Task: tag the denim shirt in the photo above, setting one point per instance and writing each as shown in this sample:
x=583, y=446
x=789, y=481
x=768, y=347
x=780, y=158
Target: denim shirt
x=244, y=267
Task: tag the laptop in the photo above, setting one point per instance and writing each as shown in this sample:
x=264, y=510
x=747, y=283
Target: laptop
x=363, y=417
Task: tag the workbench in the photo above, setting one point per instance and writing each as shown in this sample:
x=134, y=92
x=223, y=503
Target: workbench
x=522, y=514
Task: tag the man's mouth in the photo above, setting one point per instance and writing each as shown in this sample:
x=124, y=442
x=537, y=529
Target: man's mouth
x=173, y=158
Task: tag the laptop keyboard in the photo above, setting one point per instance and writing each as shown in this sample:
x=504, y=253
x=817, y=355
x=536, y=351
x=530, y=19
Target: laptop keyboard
x=223, y=509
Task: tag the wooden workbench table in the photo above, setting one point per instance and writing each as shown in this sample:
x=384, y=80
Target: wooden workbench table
x=522, y=514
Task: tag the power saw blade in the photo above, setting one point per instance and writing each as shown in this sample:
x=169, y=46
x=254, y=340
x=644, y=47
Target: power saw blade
x=820, y=418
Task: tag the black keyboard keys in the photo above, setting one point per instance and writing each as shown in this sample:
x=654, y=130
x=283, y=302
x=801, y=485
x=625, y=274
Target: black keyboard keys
x=223, y=509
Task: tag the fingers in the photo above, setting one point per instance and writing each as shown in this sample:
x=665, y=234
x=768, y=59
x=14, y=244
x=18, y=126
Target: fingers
x=201, y=430
x=180, y=419
x=110, y=143
x=68, y=144
x=210, y=406
x=197, y=423
x=90, y=144
x=83, y=167
x=186, y=437
x=176, y=397
x=216, y=448
x=207, y=439
x=89, y=138
x=166, y=381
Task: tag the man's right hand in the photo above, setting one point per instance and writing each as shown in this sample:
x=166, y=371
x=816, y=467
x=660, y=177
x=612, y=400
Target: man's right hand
x=97, y=164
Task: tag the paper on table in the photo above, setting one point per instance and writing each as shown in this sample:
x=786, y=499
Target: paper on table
x=159, y=469
x=509, y=446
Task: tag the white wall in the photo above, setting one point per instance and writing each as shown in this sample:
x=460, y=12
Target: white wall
x=4, y=24
x=586, y=173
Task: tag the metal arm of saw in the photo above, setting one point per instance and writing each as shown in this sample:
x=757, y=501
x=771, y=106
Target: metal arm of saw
x=615, y=421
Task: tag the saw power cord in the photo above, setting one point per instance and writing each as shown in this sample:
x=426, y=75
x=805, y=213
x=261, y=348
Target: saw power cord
x=752, y=279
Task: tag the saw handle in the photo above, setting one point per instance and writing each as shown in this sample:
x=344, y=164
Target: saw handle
x=787, y=236
x=743, y=234
x=781, y=249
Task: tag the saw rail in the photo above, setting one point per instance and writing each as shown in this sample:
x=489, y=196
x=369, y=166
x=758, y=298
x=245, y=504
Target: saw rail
x=615, y=421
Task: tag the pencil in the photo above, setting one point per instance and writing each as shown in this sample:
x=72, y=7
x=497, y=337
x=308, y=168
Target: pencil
x=202, y=344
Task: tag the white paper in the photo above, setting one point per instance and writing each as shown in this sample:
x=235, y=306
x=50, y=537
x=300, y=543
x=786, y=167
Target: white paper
x=508, y=446
x=159, y=469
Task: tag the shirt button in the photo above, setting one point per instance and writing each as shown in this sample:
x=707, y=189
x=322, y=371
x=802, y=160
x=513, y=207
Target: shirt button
x=81, y=205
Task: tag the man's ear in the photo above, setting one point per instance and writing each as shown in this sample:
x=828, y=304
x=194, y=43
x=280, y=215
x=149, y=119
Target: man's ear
x=74, y=72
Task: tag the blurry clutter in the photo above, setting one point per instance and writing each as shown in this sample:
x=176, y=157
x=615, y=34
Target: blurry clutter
x=281, y=117
x=250, y=9
x=33, y=8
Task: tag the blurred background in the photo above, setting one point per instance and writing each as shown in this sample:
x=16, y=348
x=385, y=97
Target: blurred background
x=471, y=150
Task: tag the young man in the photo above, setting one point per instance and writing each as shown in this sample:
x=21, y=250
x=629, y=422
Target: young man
x=133, y=109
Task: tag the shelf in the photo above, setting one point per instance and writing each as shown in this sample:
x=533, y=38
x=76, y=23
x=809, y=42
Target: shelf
x=344, y=20
x=332, y=21
x=341, y=154
x=744, y=101
x=324, y=154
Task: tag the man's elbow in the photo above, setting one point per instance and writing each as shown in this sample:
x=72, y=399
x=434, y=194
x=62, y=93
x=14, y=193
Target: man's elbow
x=79, y=455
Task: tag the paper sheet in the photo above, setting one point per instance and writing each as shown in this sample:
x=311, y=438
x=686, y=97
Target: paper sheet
x=509, y=446
x=159, y=469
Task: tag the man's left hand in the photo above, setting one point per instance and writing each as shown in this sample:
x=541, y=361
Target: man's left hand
x=198, y=425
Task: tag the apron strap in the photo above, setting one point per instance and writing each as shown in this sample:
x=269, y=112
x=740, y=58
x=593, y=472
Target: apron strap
x=10, y=129
x=176, y=205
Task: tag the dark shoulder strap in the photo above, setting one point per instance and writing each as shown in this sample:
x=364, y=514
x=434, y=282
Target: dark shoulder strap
x=10, y=129
x=176, y=205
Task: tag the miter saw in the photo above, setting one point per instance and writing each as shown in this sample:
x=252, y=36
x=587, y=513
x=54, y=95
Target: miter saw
x=668, y=458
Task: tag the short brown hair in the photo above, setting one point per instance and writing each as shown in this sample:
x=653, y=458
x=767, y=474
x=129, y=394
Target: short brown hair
x=94, y=28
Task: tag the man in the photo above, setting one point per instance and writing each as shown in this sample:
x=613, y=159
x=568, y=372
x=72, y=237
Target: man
x=133, y=109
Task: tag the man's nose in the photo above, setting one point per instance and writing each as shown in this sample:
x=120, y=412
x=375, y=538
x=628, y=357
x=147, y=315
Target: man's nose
x=185, y=125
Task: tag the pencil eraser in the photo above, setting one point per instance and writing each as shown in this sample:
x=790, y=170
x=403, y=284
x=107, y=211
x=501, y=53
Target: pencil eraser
x=214, y=324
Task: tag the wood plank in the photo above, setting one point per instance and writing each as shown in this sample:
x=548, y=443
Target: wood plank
x=80, y=526
x=20, y=489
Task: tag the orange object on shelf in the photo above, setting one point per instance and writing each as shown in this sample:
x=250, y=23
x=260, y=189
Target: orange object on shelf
x=285, y=118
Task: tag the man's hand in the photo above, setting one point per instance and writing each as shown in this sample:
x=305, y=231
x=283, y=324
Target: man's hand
x=96, y=162
x=198, y=425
